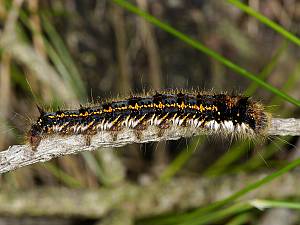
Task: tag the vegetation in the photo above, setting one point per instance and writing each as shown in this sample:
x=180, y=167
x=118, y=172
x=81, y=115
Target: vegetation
x=62, y=54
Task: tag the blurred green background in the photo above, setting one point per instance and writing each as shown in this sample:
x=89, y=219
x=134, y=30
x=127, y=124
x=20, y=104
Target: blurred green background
x=65, y=53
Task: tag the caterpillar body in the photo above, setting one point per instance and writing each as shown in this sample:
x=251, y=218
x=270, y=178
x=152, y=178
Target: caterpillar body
x=210, y=113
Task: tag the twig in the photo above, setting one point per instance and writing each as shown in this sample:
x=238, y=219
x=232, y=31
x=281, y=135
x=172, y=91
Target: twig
x=21, y=155
x=141, y=200
x=285, y=127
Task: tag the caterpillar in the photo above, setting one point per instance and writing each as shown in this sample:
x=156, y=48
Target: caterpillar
x=209, y=113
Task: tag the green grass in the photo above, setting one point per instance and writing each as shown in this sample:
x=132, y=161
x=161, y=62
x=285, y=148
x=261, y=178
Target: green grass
x=263, y=204
x=218, y=215
x=240, y=219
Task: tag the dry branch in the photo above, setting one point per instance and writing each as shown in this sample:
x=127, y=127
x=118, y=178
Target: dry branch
x=142, y=200
x=21, y=155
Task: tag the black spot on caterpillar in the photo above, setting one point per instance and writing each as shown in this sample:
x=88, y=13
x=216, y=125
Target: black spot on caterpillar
x=211, y=113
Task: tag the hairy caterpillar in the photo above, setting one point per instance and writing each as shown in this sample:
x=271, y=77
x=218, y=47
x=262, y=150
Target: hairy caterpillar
x=211, y=113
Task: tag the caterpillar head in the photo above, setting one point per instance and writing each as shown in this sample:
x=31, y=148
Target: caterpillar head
x=34, y=135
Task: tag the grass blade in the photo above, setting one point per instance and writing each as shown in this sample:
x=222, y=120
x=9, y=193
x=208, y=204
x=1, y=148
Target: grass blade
x=265, y=204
